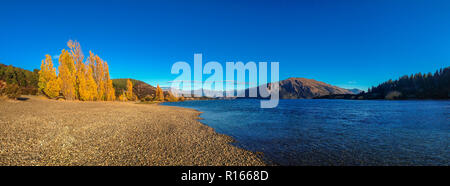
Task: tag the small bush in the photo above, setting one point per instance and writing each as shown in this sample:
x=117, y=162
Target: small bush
x=148, y=98
x=2, y=87
x=12, y=91
x=170, y=98
x=123, y=97
x=393, y=95
x=28, y=91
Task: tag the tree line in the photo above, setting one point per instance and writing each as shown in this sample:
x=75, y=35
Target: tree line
x=415, y=86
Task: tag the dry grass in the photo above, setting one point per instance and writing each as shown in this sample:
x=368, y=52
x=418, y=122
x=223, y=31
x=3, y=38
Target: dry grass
x=48, y=132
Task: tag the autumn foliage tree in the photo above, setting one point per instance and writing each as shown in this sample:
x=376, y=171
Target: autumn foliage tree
x=109, y=90
x=67, y=76
x=129, y=92
x=123, y=97
x=78, y=57
x=159, y=94
x=91, y=86
x=49, y=84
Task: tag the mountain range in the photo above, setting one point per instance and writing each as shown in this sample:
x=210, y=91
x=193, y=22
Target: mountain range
x=355, y=90
x=294, y=88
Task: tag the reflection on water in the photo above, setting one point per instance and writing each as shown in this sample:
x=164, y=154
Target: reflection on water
x=335, y=132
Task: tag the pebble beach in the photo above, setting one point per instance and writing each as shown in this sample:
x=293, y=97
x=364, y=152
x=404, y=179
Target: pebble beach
x=42, y=132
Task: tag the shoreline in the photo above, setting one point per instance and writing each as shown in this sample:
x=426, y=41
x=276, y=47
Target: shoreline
x=260, y=155
x=49, y=132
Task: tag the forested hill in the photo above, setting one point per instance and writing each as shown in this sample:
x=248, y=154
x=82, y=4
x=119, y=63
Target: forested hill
x=140, y=88
x=25, y=79
x=416, y=86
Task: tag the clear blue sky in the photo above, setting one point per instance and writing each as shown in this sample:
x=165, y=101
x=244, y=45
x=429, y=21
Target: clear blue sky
x=346, y=43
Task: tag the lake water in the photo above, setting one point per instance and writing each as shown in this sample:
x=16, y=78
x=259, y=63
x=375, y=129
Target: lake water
x=335, y=132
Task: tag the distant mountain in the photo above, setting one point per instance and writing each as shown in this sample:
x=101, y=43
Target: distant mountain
x=355, y=90
x=303, y=88
x=200, y=92
x=140, y=88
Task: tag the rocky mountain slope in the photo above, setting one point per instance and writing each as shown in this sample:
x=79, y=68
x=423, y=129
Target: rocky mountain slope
x=303, y=88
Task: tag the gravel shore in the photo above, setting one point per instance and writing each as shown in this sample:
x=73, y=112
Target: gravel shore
x=39, y=131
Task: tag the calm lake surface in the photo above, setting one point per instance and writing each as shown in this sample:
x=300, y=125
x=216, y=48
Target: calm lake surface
x=335, y=132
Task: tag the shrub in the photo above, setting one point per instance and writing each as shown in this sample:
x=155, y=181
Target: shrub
x=393, y=95
x=2, y=87
x=12, y=91
x=170, y=98
x=148, y=98
x=28, y=91
x=123, y=97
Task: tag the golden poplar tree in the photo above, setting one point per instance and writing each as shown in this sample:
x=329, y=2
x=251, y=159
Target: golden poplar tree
x=67, y=75
x=48, y=82
x=110, y=92
x=98, y=73
x=44, y=73
x=53, y=88
x=77, y=56
x=100, y=78
x=159, y=93
x=129, y=92
x=91, y=85
x=86, y=85
x=123, y=97
x=81, y=84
